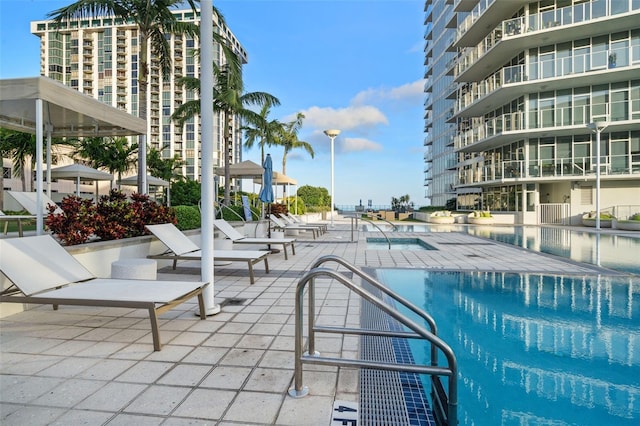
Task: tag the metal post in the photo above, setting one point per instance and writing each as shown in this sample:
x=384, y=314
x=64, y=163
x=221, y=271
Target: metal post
x=597, y=177
x=332, y=135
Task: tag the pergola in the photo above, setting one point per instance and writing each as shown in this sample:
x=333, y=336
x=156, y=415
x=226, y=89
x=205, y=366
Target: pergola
x=40, y=105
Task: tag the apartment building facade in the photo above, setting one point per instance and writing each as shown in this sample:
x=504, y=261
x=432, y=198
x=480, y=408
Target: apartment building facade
x=518, y=93
x=99, y=57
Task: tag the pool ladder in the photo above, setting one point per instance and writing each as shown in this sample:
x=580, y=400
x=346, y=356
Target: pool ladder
x=380, y=229
x=445, y=403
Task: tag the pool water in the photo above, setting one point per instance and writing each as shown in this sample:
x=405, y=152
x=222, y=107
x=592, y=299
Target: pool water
x=619, y=252
x=534, y=349
x=398, y=244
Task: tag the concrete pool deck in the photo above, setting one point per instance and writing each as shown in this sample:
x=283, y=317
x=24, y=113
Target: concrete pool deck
x=92, y=366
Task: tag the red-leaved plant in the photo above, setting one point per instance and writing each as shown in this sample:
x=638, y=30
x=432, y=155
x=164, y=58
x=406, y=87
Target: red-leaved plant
x=75, y=224
x=113, y=218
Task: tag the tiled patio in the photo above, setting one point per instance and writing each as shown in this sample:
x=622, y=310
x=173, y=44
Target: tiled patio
x=97, y=365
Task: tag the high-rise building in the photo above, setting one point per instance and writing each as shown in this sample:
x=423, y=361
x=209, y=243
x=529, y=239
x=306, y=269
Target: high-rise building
x=517, y=95
x=99, y=57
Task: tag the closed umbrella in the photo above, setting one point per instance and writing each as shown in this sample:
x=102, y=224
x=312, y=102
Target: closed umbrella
x=266, y=193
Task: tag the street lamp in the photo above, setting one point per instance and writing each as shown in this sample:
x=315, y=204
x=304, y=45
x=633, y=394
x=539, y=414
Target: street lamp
x=597, y=127
x=332, y=133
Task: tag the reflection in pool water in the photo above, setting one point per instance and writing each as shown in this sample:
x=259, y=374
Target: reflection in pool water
x=617, y=252
x=534, y=349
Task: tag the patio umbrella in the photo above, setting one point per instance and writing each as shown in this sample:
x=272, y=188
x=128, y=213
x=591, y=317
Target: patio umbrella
x=266, y=193
x=78, y=172
x=151, y=181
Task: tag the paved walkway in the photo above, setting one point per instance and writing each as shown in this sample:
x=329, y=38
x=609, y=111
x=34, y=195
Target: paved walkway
x=97, y=366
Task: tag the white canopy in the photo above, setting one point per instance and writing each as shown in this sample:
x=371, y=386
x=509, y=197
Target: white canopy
x=40, y=104
x=243, y=169
x=151, y=180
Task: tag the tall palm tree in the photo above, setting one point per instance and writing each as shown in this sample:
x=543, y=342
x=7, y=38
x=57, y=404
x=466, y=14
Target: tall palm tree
x=288, y=139
x=230, y=100
x=153, y=19
x=263, y=134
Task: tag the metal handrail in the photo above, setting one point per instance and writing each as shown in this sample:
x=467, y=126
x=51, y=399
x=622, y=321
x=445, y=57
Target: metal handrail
x=312, y=357
x=379, y=229
x=377, y=284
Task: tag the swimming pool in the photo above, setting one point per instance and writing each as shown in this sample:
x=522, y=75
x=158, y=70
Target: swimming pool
x=534, y=349
x=607, y=250
x=398, y=244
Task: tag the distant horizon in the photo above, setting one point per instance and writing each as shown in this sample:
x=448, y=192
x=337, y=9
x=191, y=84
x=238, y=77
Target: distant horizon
x=371, y=89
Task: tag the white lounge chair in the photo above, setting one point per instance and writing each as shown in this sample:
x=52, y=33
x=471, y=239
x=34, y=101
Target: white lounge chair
x=182, y=248
x=42, y=271
x=28, y=200
x=237, y=238
x=294, y=220
x=279, y=224
x=19, y=219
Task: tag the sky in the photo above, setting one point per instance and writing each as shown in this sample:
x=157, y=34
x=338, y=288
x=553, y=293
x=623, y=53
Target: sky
x=352, y=65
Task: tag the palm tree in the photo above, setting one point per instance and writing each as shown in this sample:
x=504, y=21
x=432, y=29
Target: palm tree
x=164, y=168
x=264, y=133
x=21, y=147
x=230, y=100
x=153, y=19
x=288, y=139
x=112, y=153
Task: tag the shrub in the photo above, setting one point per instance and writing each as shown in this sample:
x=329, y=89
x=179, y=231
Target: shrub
x=76, y=222
x=635, y=217
x=188, y=217
x=114, y=217
x=278, y=209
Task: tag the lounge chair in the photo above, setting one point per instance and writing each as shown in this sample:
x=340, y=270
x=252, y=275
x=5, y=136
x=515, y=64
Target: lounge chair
x=182, y=248
x=294, y=220
x=42, y=271
x=279, y=224
x=28, y=200
x=19, y=219
x=237, y=238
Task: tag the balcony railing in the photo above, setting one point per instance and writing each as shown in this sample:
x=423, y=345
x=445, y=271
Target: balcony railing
x=473, y=16
x=576, y=14
x=610, y=165
x=505, y=123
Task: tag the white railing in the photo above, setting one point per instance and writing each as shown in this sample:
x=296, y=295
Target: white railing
x=554, y=214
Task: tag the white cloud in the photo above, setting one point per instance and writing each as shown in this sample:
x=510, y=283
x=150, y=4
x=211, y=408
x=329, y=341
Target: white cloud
x=359, y=144
x=348, y=118
x=407, y=92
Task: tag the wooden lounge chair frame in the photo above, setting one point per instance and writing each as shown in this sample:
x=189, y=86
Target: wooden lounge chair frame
x=180, y=247
x=237, y=238
x=41, y=271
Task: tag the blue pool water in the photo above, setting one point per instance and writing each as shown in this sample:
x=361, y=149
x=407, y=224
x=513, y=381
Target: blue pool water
x=618, y=252
x=534, y=349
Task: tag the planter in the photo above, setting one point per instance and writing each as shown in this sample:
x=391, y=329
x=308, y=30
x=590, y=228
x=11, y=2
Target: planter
x=480, y=220
x=221, y=244
x=628, y=225
x=589, y=221
x=441, y=219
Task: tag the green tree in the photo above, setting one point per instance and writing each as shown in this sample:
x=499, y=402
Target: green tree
x=314, y=196
x=230, y=100
x=264, y=133
x=185, y=193
x=288, y=139
x=164, y=168
x=21, y=148
x=112, y=153
x=154, y=20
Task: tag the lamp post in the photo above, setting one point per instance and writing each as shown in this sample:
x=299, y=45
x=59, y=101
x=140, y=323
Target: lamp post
x=332, y=133
x=597, y=127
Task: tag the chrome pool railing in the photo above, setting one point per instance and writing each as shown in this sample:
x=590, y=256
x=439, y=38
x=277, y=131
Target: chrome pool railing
x=445, y=402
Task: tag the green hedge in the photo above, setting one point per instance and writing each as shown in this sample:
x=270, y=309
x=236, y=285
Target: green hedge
x=188, y=217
